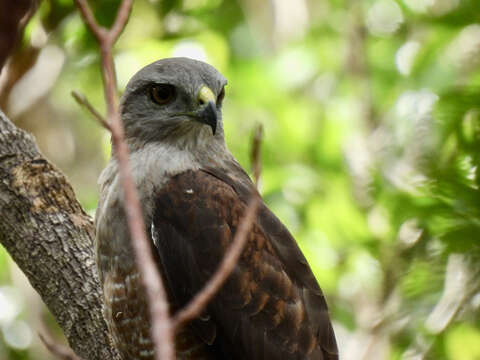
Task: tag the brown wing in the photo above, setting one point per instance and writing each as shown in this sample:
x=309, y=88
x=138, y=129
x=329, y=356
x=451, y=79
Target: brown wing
x=271, y=307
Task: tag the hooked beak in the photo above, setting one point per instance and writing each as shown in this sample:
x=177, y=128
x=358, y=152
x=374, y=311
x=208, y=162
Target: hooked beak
x=207, y=114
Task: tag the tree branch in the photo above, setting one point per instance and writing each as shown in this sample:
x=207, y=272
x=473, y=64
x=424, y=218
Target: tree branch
x=161, y=326
x=83, y=101
x=59, y=351
x=201, y=299
x=58, y=235
x=50, y=237
x=98, y=31
x=195, y=307
x=121, y=20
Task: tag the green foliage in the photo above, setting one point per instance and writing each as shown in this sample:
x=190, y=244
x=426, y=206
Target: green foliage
x=371, y=149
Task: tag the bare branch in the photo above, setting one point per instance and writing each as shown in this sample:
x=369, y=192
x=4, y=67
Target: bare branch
x=83, y=101
x=255, y=153
x=98, y=31
x=201, y=299
x=194, y=308
x=121, y=20
x=59, y=351
x=161, y=323
x=161, y=326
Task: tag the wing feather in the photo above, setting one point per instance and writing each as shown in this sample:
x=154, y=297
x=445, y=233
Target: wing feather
x=271, y=307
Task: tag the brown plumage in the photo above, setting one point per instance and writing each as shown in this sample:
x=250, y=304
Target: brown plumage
x=194, y=194
x=271, y=307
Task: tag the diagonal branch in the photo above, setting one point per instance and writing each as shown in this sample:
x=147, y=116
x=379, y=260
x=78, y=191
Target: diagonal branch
x=98, y=31
x=121, y=20
x=162, y=324
x=59, y=351
x=83, y=101
x=194, y=308
x=161, y=327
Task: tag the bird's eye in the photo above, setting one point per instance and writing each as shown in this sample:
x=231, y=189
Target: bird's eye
x=163, y=94
x=220, y=97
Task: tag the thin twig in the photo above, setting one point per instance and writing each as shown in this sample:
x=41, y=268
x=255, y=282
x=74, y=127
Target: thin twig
x=82, y=100
x=255, y=153
x=161, y=323
x=122, y=18
x=161, y=331
x=161, y=326
x=194, y=308
x=58, y=350
x=98, y=31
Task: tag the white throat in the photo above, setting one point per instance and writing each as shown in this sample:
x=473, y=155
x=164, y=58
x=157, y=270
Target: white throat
x=153, y=164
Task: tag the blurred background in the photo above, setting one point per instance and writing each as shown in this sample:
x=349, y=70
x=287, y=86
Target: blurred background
x=371, y=115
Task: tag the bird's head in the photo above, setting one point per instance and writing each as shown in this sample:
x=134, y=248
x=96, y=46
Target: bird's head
x=175, y=100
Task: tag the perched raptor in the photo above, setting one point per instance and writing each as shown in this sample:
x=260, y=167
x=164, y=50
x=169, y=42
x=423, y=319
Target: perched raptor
x=193, y=194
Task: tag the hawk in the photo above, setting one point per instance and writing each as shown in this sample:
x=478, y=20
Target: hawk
x=194, y=194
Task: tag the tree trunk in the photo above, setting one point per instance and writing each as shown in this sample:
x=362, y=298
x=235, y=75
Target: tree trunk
x=50, y=237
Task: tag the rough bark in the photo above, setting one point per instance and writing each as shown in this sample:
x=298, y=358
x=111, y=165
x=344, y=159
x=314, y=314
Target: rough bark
x=50, y=237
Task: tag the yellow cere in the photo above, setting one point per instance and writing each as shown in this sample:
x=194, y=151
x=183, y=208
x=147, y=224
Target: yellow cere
x=205, y=95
